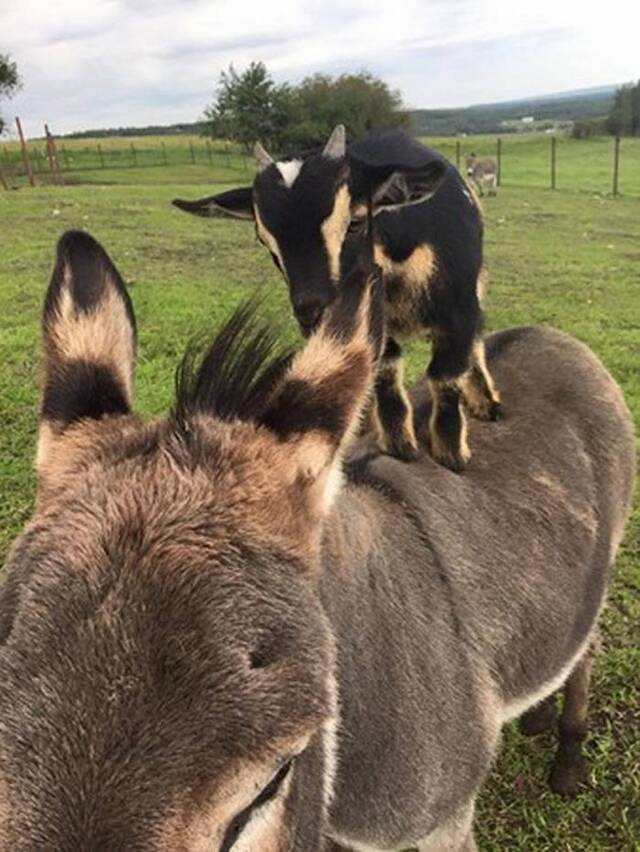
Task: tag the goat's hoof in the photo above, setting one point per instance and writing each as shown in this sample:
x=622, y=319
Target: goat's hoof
x=404, y=450
x=489, y=410
x=568, y=774
x=454, y=461
x=496, y=411
x=538, y=719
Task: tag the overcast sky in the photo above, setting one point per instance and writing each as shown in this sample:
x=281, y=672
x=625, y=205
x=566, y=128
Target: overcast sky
x=106, y=63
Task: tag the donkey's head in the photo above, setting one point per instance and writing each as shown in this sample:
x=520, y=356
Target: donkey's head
x=312, y=214
x=166, y=667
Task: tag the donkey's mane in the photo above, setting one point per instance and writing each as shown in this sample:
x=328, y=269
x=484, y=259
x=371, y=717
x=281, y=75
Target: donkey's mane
x=233, y=376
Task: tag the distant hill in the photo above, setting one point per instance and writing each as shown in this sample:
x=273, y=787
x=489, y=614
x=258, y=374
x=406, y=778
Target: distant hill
x=196, y=127
x=502, y=117
x=506, y=116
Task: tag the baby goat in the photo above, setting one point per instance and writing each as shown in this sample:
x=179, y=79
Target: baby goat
x=312, y=216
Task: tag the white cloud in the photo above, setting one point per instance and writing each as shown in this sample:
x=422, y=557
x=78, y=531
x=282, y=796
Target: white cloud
x=114, y=62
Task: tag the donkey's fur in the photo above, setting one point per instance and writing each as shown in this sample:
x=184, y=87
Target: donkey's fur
x=196, y=603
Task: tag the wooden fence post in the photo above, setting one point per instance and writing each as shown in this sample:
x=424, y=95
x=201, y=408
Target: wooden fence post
x=193, y=153
x=458, y=154
x=499, y=159
x=553, y=162
x=616, y=164
x=25, y=153
x=135, y=156
x=51, y=147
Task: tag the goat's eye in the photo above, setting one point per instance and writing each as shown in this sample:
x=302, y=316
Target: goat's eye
x=356, y=226
x=239, y=822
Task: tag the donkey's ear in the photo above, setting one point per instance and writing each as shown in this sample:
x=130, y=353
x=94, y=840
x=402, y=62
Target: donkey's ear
x=318, y=406
x=236, y=203
x=89, y=337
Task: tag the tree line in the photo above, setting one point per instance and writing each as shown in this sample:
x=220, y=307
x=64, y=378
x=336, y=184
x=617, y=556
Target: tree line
x=250, y=105
x=9, y=80
x=623, y=119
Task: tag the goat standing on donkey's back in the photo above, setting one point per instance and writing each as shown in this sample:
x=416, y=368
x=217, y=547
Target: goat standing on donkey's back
x=210, y=643
x=312, y=216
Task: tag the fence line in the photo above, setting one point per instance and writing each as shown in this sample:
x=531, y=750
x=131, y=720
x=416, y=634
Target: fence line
x=520, y=162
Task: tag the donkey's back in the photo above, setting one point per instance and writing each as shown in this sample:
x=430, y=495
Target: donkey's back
x=477, y=596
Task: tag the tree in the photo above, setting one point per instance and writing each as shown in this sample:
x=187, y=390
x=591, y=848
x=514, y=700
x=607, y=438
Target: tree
x=249, y=106
x=360, y=101
x=9, y=80
x=624, y=118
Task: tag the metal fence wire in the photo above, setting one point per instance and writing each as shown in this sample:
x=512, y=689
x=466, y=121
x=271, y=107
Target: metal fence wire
x=603, y=165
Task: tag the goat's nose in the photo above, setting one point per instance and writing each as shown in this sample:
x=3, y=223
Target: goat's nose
x=308, y=314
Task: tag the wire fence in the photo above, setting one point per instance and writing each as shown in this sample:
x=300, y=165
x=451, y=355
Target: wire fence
x=86, y=163
x=603, y=165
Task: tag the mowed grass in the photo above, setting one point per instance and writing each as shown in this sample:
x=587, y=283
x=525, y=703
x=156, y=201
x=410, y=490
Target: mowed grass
x=567, y=259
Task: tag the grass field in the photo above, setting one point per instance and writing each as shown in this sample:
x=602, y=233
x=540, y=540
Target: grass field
x=569, y=259
x=526, y=160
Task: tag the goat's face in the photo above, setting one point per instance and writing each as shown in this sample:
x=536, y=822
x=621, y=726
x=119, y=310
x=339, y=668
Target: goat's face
x=311, y=214
x=166, y=667
x=303, y=211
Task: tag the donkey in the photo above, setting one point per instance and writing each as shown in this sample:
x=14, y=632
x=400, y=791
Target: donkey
x=312, y=216
x=211, y=639
x=483, y=174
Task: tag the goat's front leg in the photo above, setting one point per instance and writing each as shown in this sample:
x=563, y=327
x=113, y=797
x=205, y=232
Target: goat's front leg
x=448, y=424
x=394, y=408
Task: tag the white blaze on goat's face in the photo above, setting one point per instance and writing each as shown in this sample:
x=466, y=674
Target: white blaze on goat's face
x=289, y=171
x=334, y=229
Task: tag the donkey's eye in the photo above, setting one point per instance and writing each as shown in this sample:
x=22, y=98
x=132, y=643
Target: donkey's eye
x=268, y=793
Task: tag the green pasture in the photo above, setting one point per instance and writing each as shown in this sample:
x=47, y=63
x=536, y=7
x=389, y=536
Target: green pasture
x=585, y=165
x=570, y=259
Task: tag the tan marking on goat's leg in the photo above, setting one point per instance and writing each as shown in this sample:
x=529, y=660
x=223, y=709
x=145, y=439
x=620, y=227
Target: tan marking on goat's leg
x=478, y=388
x=569, y=769
x=372, y=426
x=448, y=426
x=394, y=410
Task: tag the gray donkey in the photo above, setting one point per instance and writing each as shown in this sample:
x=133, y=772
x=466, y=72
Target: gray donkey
x=211, y=639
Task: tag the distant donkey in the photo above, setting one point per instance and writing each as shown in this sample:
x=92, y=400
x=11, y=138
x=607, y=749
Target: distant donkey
x=483, y=174
x=312, y=216
x=208, y=641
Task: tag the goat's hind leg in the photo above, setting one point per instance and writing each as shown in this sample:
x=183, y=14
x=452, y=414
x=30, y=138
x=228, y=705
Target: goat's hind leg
x=394, y=408
x=478, y=388
x=569, y=769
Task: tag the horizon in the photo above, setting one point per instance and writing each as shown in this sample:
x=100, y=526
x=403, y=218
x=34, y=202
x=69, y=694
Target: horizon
x=158, y=63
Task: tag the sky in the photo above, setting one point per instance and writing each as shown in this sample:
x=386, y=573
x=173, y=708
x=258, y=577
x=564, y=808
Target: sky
x=109, y=63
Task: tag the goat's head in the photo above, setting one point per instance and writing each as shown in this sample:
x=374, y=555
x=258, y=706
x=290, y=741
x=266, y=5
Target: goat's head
x=166, y=667
x=314, y=214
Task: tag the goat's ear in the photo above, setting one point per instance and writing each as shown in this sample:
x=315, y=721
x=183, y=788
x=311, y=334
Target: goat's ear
x=317, y=408
x=89, y=337
x=235, y=203
x=395, y=170
x=407, y=187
